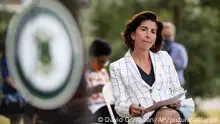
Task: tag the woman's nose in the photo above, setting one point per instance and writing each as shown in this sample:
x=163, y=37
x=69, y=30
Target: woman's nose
x=147, y=34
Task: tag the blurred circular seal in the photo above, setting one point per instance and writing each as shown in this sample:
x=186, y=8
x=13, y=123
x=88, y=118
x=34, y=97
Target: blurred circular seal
x=45, y=53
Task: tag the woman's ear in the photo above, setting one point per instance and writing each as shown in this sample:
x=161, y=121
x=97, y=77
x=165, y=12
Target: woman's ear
x=133, y=35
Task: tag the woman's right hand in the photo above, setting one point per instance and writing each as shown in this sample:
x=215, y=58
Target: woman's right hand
x=136, y=111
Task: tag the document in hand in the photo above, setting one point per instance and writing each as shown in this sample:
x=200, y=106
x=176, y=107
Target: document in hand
x=165, y=102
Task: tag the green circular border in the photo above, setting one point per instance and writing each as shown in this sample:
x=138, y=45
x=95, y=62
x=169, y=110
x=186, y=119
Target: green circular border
x=47, y=100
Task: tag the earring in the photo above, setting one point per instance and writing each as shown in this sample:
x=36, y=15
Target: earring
x=153, y=46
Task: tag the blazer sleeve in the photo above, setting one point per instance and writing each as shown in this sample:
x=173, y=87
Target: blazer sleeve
x=122, y=101
x=186, y=108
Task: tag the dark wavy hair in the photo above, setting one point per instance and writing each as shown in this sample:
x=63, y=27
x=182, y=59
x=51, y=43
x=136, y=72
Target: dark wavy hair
x=135, y=22
x=99, y=47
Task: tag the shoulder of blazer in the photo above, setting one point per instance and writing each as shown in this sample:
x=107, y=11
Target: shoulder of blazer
x=162, y=54
x=165, y=57
x=116, y=64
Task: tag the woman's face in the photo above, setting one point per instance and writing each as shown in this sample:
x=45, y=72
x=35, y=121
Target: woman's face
x=145, y=35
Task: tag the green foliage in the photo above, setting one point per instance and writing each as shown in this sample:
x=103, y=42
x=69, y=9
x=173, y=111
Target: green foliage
x=4, y=19
x=200, y=37
x=198, y=28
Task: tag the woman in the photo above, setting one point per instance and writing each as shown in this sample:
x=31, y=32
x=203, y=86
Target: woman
x=146, y=75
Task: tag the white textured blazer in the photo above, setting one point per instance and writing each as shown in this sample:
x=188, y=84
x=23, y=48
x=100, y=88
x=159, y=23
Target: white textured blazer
x=129, y=87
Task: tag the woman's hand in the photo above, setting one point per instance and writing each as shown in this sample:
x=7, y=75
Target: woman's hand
x=175, y=105
x=136, y=111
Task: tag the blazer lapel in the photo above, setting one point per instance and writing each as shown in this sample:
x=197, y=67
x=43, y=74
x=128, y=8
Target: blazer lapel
x=155, y=67
x=156, y=61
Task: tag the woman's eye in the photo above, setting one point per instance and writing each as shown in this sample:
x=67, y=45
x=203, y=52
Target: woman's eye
x=153, y=32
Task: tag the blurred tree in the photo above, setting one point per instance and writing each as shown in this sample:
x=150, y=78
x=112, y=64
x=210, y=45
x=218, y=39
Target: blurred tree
x=5, y=16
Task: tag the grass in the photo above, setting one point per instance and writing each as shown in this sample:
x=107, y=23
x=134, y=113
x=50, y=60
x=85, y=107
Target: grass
x=213, y=118
x=4, y=120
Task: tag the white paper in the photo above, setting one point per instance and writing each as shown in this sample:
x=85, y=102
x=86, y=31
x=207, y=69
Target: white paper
x=165, y=102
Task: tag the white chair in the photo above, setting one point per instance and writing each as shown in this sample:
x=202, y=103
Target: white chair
x=109, y=99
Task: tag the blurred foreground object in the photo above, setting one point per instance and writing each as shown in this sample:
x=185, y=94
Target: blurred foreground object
x=45, y=53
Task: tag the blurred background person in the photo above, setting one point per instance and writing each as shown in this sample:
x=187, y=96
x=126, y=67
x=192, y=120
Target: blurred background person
x=176, y=50
x=97, y=76
x=12, y=102
x=13, y=105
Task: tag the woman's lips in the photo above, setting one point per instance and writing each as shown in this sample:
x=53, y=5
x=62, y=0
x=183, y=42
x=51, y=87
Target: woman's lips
x=146, y=41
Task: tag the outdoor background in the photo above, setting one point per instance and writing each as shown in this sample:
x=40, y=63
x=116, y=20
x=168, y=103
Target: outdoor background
x=198, y=29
